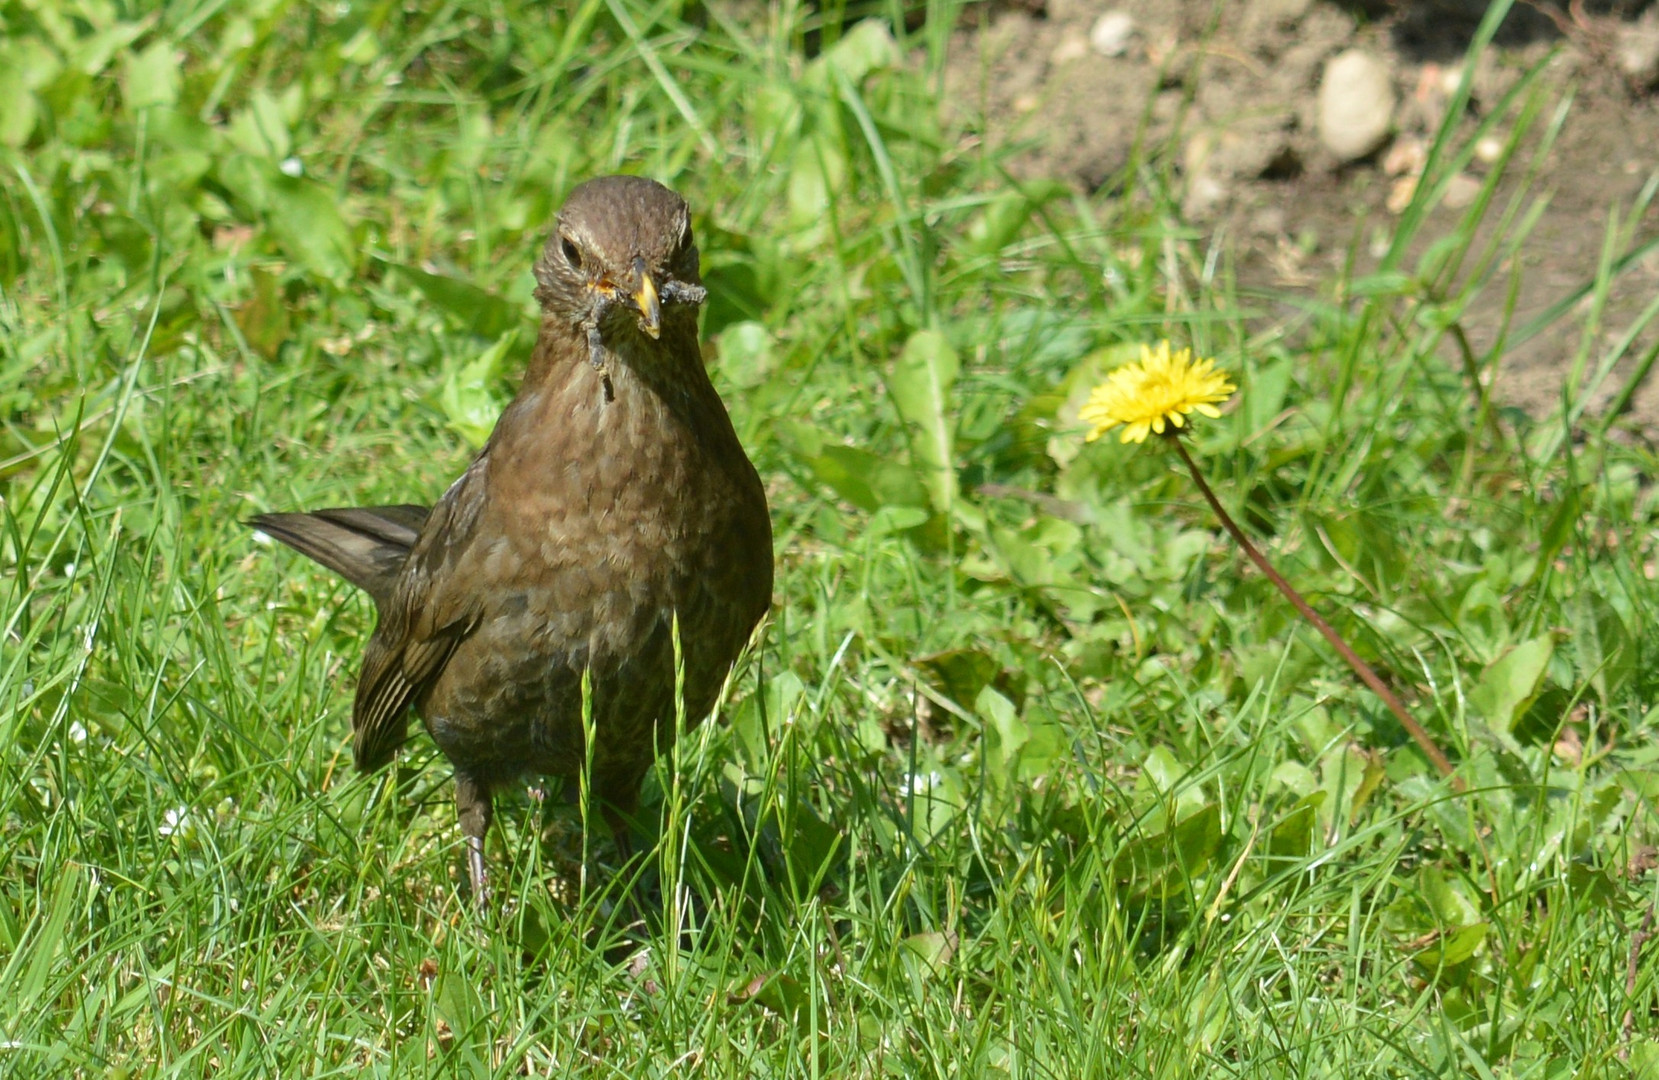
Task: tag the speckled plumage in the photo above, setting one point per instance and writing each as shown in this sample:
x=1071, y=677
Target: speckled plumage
x=612, y=496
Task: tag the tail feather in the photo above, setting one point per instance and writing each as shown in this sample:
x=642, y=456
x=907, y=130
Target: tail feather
x=366, y=545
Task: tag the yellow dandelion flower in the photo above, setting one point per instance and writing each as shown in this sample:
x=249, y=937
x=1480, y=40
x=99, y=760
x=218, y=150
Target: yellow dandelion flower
x=1160, y=389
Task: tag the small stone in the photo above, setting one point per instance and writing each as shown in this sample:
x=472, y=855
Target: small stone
x=1026, y=102
x=1461, y=191
x=1205, y=193
x=1401, y=193
x=1407, y=155
x=1489, y=150
x=1268, y=221
x=1111, y=33
x=1356, y=105
x=1196, y=154
x=1071, y=47
x=1382, y=242
x=1430, y=84
x=1637, y=51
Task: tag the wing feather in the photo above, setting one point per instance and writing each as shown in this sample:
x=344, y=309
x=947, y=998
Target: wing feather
x=422, y=623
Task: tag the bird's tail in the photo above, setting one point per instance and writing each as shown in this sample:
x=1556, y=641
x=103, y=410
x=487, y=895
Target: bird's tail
x=366, y=545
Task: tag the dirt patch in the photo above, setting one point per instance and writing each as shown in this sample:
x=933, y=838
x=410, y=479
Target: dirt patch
x=1237, y=89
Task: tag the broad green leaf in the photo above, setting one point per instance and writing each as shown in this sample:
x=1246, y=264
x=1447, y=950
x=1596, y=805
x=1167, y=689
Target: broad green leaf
x=468, y=396
x=263, y=318
x=1000, y=222
x=1484, y=621
x=472, y=309
x=92, y=54
x=26, y=65
x=1363, y=542
x=17, y=119
x=125, y=238
x=773, y=990
x=895, y=519
x=811, y=845
x=304, y=217
x=867, y=480
x=259, y=128
x=1296, y=776
x=1054, y=413
x=248, y=181
x=1026, y=563
x=817, y=171
x=1048, y=742
x=961, y=673
x=1164, y=776
x=776, y=108
x=151, y=76
x=472, y=139
x=921, y=383
x=1162, y=862
x=868, y=46
x=759, y=714
x=745, y=354
x=1602, y=645
x=1004, y=720
x=456, y=1000
x=1293, y=835
x=1508, y=686
x=31, y=59
x=1449, y=897
x=933, y=948
x=1163, y=770
x=1370, y=781
x=1268, y=384
x=1454, y=947
x=1196, y=838
x=361, y=48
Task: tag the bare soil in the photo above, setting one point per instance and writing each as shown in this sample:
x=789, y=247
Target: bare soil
x=1233, y=87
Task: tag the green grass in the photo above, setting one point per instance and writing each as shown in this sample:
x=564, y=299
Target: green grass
x=1034, y=779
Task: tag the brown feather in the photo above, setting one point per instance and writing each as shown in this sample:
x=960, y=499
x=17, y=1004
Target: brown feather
x=612, y=499
x=366, y=545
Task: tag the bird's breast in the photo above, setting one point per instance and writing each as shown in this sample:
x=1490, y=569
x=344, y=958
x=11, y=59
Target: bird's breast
x=637, y=489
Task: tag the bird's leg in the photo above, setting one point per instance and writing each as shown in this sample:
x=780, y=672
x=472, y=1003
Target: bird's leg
x=633, y=903
x=475, y=808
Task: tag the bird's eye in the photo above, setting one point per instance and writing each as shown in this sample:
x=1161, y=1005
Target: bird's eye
x=572, y=256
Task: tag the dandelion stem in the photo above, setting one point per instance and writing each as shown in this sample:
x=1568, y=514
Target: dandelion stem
x=1361, y=668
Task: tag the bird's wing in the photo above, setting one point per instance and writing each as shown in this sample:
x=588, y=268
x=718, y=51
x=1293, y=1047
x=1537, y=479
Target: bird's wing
x=421, y=624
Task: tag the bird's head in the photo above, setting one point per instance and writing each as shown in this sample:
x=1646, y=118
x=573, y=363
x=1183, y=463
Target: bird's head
x=621, y=252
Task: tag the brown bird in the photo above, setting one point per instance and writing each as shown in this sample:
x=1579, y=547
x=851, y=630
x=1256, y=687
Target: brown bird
x=612, y=501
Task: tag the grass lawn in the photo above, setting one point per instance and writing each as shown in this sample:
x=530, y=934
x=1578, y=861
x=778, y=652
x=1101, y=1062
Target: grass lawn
x=1031, y=774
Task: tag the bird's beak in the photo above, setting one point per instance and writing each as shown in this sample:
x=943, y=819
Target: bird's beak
x=646, y=301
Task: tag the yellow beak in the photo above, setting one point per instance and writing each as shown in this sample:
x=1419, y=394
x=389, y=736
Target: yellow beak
x=647, y=302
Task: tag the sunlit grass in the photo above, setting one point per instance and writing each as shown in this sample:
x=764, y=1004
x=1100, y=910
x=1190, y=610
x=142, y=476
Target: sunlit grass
x=1029, y=775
